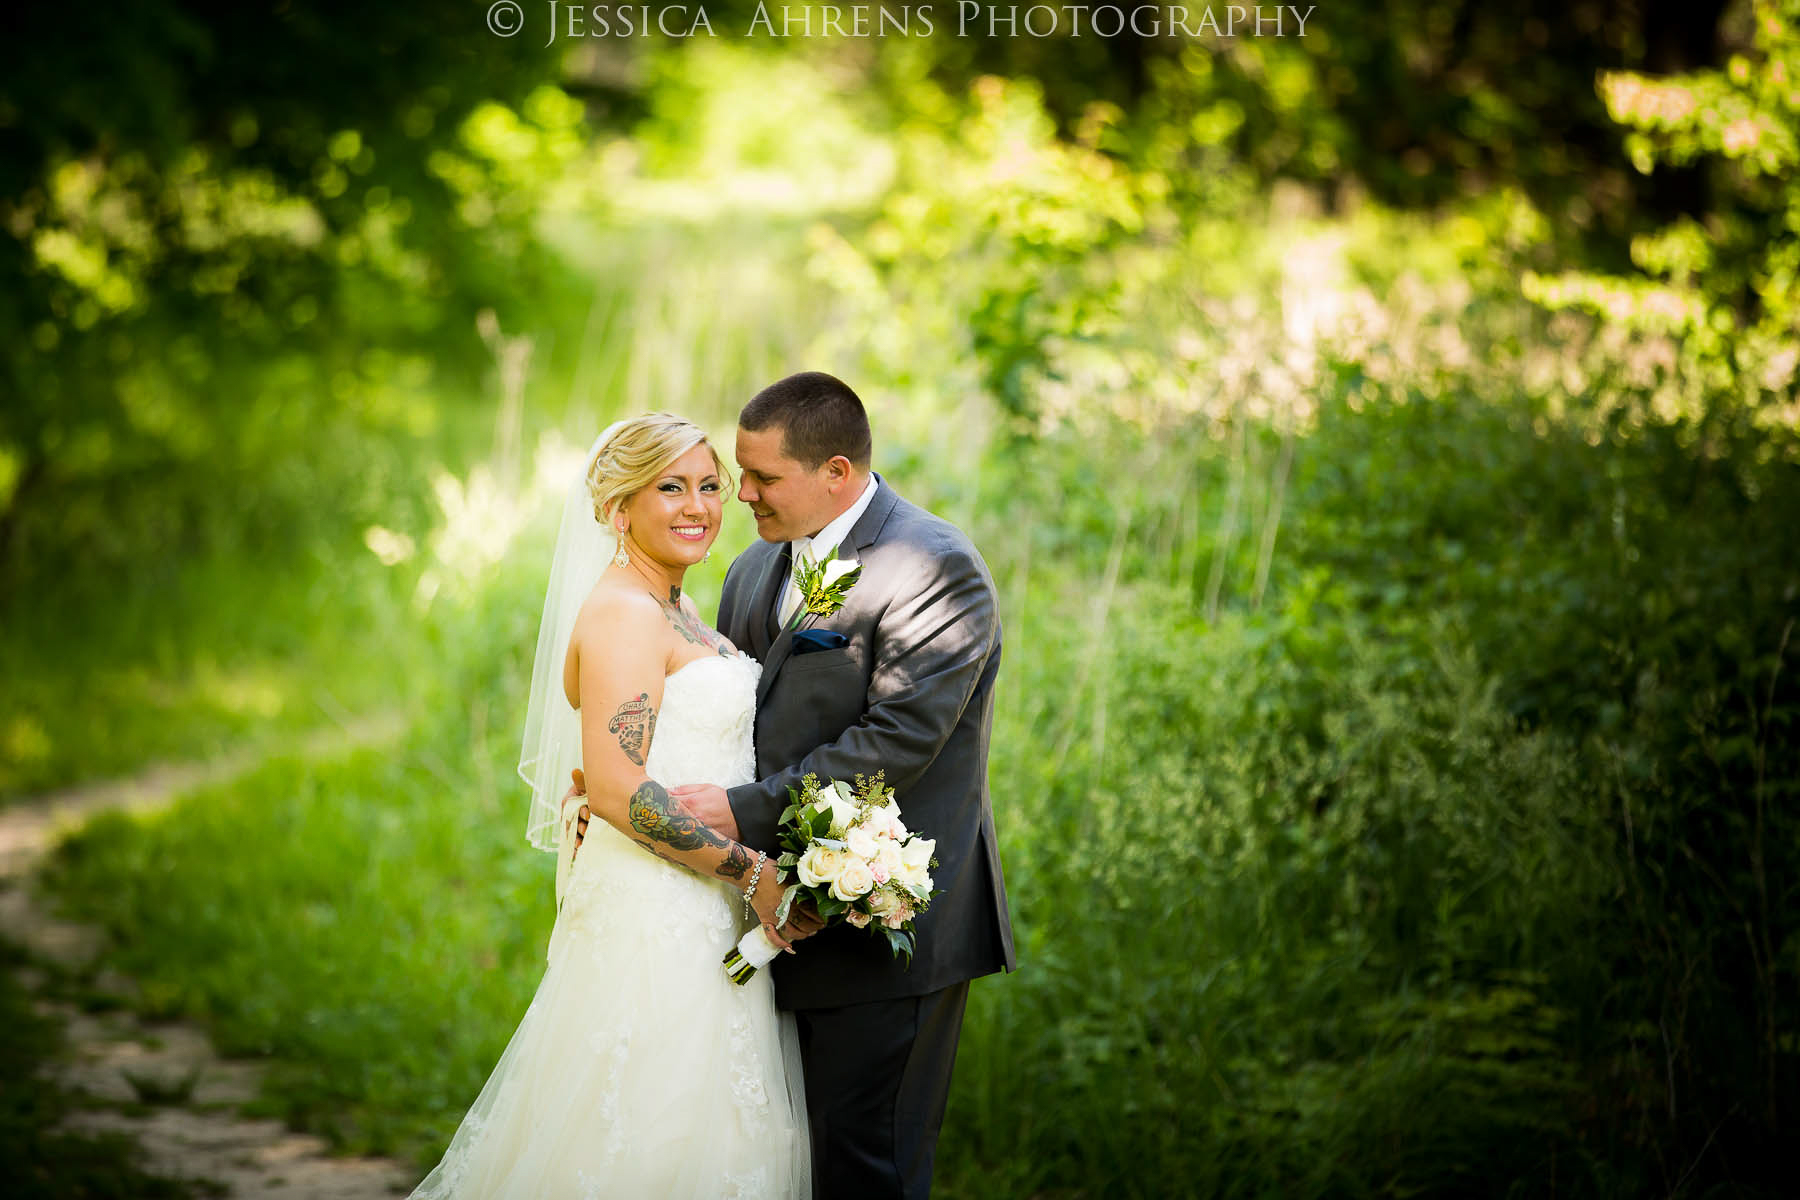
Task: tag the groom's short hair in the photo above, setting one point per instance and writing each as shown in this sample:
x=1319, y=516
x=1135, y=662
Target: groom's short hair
x=818, y=415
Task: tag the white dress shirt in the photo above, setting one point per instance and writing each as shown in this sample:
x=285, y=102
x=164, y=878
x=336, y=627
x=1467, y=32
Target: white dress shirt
x=833, y=535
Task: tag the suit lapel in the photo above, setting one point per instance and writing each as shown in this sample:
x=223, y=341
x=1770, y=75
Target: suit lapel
x=777, y=655
x=759, y=596
x=868, y=526
x=770, y=610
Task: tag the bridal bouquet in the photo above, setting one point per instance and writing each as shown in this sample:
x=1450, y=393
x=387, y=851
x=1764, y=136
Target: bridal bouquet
x=854, y=860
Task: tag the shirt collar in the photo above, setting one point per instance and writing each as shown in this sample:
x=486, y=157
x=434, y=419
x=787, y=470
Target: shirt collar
x=838, y=528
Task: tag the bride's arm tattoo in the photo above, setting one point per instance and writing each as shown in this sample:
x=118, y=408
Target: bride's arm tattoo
x=656, y=815
x=736, y=864
x=635, y=725
x=664, y=822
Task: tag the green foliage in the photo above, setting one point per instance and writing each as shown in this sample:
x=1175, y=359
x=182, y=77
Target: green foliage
x=213, y=254
x=1715, y=290
x=1395, y=747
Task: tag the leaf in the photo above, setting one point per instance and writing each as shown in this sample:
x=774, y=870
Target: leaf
x=900, y=941
x=786, y=905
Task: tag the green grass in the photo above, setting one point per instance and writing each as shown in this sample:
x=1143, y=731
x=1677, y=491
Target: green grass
x=187, y=664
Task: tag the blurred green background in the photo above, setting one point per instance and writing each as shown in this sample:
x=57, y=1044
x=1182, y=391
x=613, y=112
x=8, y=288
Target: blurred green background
x=1384, y=440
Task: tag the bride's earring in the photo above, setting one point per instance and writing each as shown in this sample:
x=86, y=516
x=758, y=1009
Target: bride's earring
x=619, y=559
x=707, y=557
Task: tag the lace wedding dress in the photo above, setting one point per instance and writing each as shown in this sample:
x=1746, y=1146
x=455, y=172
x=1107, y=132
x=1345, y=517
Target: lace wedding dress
x=640, y=1070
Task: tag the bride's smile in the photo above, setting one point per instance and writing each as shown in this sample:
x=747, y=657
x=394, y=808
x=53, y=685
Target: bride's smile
x=672, y=523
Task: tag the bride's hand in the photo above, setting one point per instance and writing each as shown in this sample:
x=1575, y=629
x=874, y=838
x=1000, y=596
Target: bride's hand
x=802, y=922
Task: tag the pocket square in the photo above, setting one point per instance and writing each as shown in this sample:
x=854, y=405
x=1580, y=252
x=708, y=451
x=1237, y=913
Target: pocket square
x=809, y=640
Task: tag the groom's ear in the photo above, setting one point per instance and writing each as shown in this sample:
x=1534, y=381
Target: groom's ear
x=837, y=471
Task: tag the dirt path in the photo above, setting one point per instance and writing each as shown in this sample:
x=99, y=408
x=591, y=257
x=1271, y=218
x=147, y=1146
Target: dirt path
x=162, y=1083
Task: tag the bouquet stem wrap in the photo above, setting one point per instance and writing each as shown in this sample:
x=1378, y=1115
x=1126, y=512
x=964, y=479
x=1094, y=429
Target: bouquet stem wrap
x=753, y=952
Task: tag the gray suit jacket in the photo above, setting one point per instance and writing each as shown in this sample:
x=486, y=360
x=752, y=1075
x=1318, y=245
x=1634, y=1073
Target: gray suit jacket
x=911, y=694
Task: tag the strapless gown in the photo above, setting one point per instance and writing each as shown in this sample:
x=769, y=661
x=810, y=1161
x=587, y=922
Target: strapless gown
x=640, y=1070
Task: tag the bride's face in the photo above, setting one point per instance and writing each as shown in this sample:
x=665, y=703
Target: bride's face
x=675, y=519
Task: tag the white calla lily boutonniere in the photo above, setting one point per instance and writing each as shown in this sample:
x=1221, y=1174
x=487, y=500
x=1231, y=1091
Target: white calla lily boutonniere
x=823, y=583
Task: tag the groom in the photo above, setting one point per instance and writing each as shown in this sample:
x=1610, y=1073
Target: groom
x=901, y=680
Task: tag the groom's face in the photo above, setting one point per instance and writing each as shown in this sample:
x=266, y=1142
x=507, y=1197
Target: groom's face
x=789, y=499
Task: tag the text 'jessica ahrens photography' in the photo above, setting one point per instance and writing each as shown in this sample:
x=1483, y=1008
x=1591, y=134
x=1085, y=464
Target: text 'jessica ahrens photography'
x=966, y=18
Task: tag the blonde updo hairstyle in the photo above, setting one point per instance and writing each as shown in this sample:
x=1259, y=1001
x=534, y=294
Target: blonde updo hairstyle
x=636, y=453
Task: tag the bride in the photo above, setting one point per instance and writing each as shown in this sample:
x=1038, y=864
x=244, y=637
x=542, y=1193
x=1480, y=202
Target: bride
x=639, y=1068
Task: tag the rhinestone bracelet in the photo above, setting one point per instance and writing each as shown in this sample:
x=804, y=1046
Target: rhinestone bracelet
x=755, y=878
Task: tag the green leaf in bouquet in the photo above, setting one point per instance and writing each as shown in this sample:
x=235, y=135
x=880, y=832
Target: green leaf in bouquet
x=786, y=906
x=900, y=941
x=821, y=825
x=831, y=906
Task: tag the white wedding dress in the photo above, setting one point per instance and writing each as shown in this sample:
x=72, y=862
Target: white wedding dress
x=640, y=1070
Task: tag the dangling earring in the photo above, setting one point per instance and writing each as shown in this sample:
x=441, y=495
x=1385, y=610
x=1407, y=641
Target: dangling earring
x=619, y=559
x=707, y=557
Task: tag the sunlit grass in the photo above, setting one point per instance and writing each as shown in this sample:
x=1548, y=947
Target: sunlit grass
x=204, y=662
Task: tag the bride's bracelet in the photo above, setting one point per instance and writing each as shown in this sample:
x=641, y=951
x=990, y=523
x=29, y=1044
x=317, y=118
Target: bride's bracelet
x=755, y=878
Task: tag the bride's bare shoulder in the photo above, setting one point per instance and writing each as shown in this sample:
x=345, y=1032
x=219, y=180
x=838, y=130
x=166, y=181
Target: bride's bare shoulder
x=614, y=608
x=614, y=617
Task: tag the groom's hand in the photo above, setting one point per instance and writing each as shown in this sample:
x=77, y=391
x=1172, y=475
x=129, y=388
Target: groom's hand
x=578, y=788
x=709, y=805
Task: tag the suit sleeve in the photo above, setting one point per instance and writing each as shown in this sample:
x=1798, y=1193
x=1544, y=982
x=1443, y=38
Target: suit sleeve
x=931, y=649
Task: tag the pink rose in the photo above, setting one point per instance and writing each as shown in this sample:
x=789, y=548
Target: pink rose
x=859, y=919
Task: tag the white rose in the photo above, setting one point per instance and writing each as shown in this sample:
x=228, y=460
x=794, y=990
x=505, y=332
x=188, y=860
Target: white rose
x=895, y=826
x=862, y=842
x=889, y=857
x=853, y=881
x=820, y=865
x=858, y=919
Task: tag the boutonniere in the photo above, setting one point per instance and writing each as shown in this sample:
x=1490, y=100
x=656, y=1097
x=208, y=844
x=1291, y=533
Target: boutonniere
x=823, y=583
